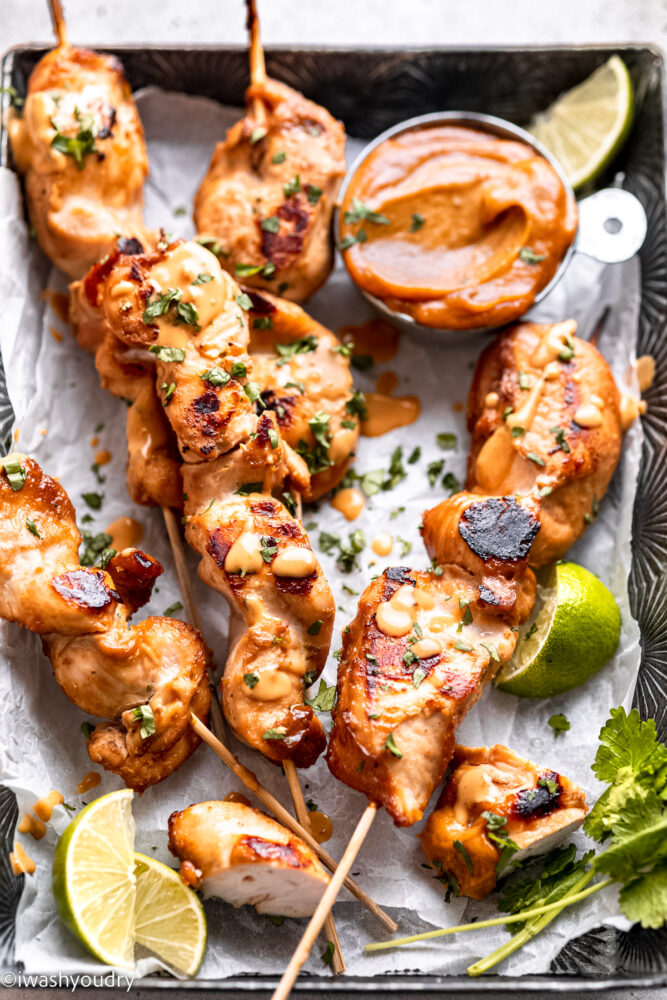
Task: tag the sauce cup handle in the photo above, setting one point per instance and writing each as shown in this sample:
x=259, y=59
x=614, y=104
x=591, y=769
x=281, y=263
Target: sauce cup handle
x=612, y=226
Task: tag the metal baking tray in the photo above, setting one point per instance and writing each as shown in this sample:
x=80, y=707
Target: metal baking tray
x=370, y=90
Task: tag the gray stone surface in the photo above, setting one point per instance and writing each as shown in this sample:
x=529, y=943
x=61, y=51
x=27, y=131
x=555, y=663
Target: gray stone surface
x=345, y=22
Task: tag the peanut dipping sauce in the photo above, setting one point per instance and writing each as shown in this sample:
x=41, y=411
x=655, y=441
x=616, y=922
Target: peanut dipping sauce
x=59, y=302
x=465, y=229
x=387, y=412
x=44, y=807
x=126, y=533
x=350, y=502
x=377, y=338
x=20, y=861
x=321, y=826
x=89, y=781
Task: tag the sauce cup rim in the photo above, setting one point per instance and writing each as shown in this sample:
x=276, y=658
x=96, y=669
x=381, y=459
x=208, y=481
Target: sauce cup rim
x=488, y=123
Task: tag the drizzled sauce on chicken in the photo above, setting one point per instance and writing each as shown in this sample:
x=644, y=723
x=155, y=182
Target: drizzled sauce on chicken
x=147, y=678
x=495, y=798
x=269, y=193
x=252, y=429
x=80, y=146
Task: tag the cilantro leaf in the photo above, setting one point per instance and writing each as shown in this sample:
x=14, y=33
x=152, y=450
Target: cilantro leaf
x=324, y=699
x=626, y=741
x=645, y=898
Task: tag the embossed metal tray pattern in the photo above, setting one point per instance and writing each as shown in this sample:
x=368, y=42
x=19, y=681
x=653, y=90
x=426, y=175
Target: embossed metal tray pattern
x=370, y=90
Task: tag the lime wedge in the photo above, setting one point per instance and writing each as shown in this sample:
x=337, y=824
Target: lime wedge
x=585, y=127
x=169, y=917
x=574, y=631
x=93, y=878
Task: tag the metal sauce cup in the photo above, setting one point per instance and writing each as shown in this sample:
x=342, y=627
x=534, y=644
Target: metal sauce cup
x=611, y=227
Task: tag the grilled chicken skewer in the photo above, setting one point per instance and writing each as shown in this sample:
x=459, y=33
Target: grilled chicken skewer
x=269, y=193
x=283, y=605
x=148, y=679
x=495, y=800
x=239, y=854
x=79, y=145
x=544, y=415
x=545, y=418
x=403, y=685
x=173, y=318
x=420, y=652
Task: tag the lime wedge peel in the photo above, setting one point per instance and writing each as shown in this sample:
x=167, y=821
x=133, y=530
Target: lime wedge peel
x=110, y=897
x=574, y=631
x=586, y=126
x=93, y=878
x=170, y=918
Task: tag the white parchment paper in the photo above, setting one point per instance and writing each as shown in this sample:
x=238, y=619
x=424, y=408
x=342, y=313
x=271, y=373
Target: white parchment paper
x=59, y=404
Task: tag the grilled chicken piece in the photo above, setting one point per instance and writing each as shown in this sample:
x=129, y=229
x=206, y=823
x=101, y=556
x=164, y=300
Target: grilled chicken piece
x=259, y=557
x=270, y=190
x=305, y=379
x=237, y=853
x=105, y=667
x=80, y=146
x=153, y=465
x=175, y=313
x=417, y=657
x=535, y=808
x=544, y=415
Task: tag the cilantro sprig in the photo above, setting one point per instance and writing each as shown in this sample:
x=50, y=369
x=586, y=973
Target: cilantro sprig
x=629, y=821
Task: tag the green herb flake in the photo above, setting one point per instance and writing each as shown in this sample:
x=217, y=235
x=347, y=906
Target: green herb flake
x=292, y=187
x=262, y=323
x=278, y=733
x=313, y=193
x=324, y=699
x=416, y=223
x=145, y=714
x=257, y=135
x=463, y=851
x=94, y=500
x=390, y=745
x=361, y=211
x=559, y=723
x=202, y=279
x=173, y=609
x=446, y=441
x=15, y=472
x=418, y=677
x=349, y=240
x=169, y=355
x=32, y=527
x=328, y=954
x=528, y=256
x=215, y=376
x=492, y=650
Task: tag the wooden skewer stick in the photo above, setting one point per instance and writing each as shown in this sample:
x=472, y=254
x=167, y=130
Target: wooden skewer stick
x=324, y=906
x=58, y=18
x=184, y=581
x=266, y=798
x=257, y=65
x=338, y=962
x=191, y=607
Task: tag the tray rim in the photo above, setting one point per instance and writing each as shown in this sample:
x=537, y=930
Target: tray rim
x=395, y=983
